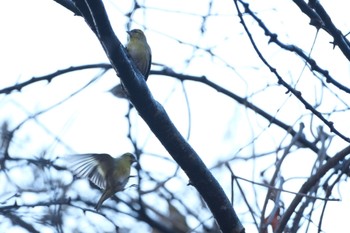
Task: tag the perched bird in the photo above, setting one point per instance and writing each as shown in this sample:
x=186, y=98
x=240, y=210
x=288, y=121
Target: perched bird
x=108, y=173
x=140, y=52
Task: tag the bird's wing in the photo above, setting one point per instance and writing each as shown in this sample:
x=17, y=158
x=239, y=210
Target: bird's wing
x=89, y=165
x=149, y=66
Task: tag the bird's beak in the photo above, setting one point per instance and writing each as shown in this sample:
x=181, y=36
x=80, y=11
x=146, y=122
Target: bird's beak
x=129, y=32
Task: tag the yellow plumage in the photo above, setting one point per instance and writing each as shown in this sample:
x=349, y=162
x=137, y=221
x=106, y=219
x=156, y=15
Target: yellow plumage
x=140, y=52
x=108, y=173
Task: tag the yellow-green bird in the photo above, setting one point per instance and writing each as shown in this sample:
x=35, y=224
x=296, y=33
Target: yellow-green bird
x=140, y=52
x=108, y=173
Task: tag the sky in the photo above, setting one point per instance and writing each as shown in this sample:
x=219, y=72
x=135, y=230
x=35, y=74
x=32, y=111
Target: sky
x=41, y=37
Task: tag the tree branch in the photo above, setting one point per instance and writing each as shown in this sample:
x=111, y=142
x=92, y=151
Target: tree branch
x=155, y=116
x=305, y=188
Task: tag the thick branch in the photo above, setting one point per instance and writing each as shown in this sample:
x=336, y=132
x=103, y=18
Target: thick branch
x=157, y=119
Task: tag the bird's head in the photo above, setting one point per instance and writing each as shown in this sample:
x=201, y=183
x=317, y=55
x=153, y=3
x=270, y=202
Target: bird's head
x=136, y=34
x=129, y=157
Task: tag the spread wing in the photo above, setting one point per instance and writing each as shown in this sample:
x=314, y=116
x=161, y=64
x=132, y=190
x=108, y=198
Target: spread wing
x=90, y=166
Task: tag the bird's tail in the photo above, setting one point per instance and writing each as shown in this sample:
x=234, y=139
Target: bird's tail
x=106, y=194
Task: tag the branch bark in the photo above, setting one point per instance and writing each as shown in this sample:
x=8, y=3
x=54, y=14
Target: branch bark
x=157, y=119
